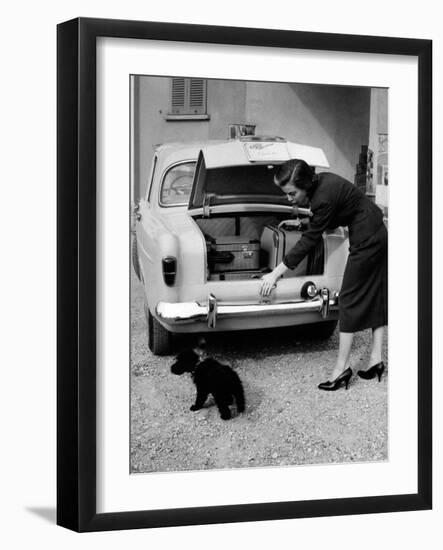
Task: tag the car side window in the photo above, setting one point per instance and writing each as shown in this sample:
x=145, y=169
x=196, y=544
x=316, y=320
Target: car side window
x=177, y=184
x=151, y=181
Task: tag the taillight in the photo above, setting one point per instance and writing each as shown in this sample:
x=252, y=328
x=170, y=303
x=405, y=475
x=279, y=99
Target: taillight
x=169, y=264
x=308, y=291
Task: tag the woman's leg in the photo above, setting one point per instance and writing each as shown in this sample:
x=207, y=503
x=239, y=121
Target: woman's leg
x=344, y=351
x=377, y=344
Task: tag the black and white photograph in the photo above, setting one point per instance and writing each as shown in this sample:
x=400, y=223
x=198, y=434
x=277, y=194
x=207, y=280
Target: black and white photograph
x=259, y=220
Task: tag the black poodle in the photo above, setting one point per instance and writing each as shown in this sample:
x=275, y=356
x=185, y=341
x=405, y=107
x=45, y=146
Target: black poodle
x=210, y=376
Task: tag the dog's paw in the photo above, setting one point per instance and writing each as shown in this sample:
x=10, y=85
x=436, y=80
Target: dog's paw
x=226, y=416
x=194, y=408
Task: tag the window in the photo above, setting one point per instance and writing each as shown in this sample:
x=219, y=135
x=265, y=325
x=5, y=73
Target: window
x=188, y=98
x=177, y=184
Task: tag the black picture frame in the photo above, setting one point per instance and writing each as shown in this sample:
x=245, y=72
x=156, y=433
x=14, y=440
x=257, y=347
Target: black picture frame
x=76, y=274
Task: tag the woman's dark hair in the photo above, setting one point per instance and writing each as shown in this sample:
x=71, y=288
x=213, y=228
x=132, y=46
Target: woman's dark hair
x=297, y=172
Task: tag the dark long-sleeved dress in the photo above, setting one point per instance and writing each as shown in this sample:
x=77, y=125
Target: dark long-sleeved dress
x=363, y=295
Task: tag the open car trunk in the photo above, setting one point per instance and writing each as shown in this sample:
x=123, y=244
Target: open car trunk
x=245, y=246
x=240, y=210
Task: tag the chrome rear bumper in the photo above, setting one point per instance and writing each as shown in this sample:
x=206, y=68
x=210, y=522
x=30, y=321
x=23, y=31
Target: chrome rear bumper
x=186, y=312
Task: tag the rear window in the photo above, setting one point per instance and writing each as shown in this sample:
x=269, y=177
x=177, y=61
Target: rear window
x=253, y=183
x=177, y=184
x=243, y=180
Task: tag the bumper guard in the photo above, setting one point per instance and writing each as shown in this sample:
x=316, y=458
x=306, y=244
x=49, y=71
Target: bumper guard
x=186, y=312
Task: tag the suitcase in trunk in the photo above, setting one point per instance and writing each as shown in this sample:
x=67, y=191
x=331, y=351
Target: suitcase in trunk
x=237, y=275
x=277, y=242
x=233, y=253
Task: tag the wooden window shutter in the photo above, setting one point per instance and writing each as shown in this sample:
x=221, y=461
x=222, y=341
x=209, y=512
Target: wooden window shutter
x=197, y=96
x=178, y=96
x=188, y=96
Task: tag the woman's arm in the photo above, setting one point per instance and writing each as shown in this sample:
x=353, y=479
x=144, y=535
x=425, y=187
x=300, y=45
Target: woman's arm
x=320, y=220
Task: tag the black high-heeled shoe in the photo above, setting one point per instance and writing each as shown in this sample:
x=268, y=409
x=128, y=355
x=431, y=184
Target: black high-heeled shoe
x=344, y=377
x=372, y=372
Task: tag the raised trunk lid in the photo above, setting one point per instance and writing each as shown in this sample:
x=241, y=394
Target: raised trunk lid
x=242, y=172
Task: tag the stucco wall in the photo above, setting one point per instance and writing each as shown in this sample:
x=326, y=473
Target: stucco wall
x=335, y=118
x=225, y=103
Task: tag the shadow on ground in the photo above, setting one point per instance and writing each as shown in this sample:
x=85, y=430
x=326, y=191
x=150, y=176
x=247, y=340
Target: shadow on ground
x=48, y=514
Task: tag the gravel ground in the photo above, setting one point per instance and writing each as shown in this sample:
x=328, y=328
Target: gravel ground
x=287, y=421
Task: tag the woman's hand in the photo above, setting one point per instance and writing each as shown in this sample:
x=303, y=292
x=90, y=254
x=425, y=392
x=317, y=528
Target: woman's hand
x=270, y=279
x=268, y=282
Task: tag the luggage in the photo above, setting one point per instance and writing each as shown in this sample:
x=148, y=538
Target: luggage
x=237, y=275
x=277, y=241
x=233, y=253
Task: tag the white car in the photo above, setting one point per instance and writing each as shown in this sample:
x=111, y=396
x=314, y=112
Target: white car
x=211, y=224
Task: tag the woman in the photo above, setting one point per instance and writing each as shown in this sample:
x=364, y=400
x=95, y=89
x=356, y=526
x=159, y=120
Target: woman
x=363, y=295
